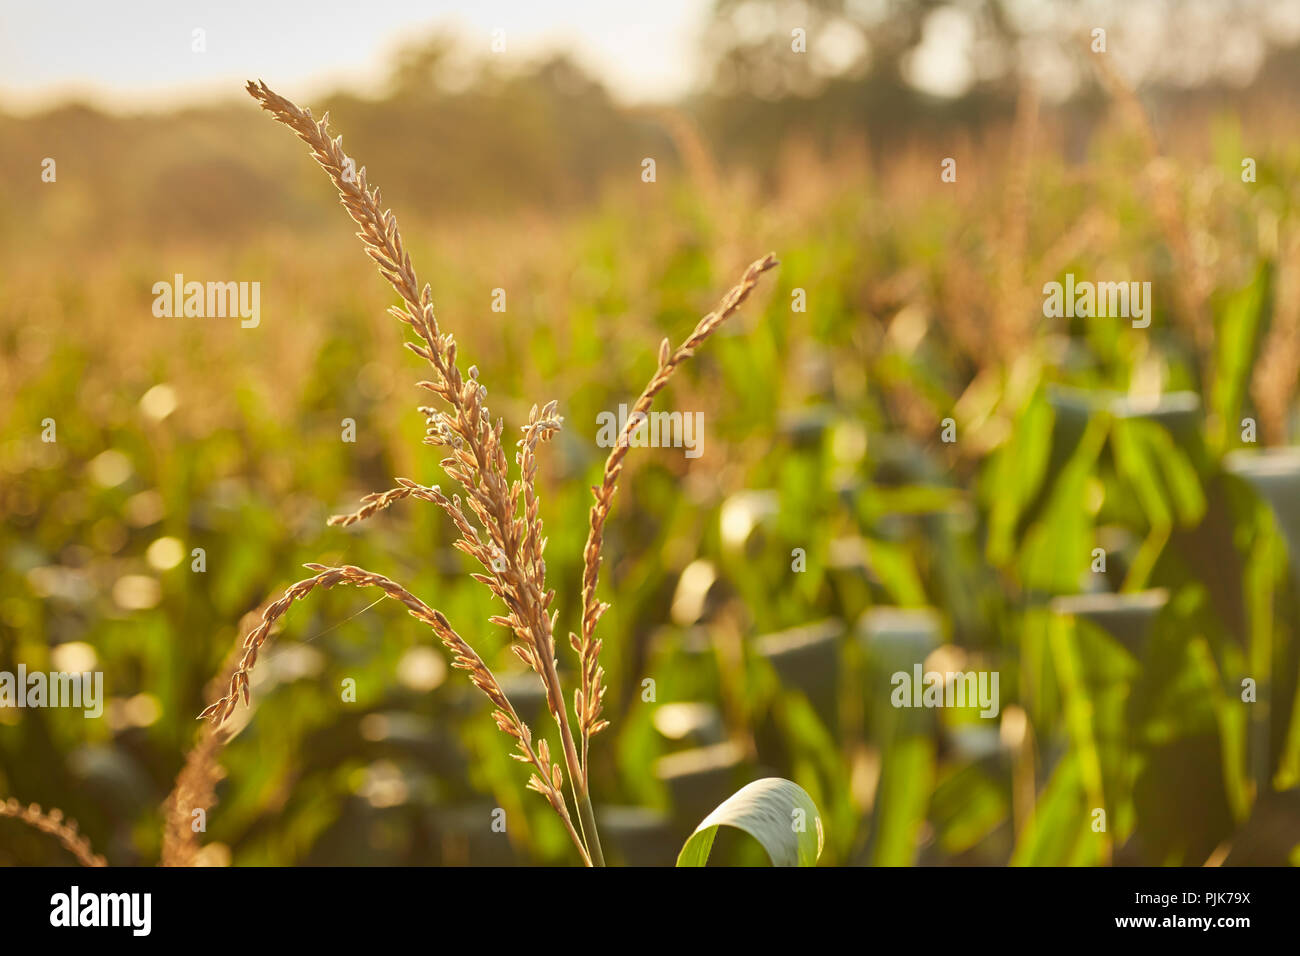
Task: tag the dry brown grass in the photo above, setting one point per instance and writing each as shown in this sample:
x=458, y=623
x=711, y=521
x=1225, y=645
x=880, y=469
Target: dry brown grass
x=53, y=823
x=587, y=700
x=1163, y=181
x=498, y=519
x=1273, y=382
x=1014, y=309
x=195, y=789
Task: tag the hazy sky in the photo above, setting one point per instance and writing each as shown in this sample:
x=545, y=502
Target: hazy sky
x=137, y=53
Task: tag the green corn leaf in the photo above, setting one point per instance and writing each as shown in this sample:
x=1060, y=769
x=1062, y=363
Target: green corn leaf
x=778, y=813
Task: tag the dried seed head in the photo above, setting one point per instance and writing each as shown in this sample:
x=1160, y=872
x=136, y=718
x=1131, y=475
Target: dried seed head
x=481, y=472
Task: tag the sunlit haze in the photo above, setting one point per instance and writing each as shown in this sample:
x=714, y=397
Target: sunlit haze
x=139, y=56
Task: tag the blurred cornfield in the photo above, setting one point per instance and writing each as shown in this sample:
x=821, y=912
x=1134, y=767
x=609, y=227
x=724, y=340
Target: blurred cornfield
x=1121, y=689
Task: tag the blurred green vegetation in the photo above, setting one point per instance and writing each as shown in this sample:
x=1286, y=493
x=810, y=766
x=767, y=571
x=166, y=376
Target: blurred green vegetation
x=1119, y=690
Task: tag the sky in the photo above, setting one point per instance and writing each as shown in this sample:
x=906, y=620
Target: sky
x=138, y=54
x=132, y=55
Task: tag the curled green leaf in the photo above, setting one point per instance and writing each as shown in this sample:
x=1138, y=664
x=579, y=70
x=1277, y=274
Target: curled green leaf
x=778, y=813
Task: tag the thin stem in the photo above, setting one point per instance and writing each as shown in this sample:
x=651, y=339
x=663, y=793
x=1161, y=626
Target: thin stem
x=588, y=819
x=577, y=775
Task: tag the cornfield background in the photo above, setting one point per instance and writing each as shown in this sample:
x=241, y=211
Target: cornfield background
x=1121, y=690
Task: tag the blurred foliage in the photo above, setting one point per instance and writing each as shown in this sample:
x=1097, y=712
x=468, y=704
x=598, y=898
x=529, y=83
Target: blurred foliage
x=1119, y=690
